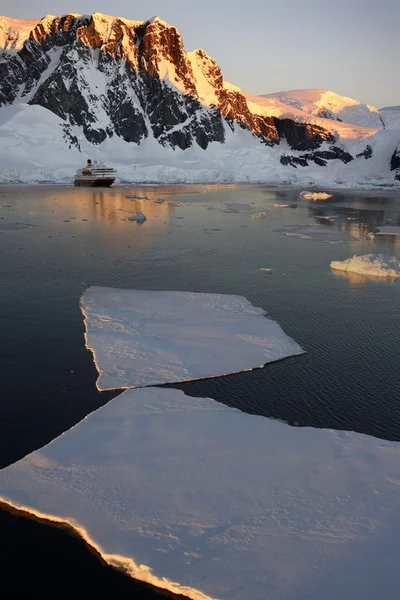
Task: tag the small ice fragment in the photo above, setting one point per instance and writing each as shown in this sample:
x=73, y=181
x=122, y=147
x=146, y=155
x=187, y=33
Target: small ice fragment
x=259, y=215
x=139, y=217
x=280, y=205
x=315, y=195
x=237, y=206
x=15, y=226
x=266, y=269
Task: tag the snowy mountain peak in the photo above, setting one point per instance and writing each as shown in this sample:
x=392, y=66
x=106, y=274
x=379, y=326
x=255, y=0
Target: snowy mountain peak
x=14, y=32
x=326, y=104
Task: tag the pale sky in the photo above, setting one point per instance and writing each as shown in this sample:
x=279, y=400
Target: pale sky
x=264, y=46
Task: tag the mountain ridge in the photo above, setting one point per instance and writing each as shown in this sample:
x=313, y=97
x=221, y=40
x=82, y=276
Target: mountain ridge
x=110, y=76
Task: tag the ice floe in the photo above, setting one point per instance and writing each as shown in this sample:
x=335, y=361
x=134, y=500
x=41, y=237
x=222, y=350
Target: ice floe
x=205, y=500
x=168, y=254
x=237, y=206
x=315, y=195
x=316, y=233
x=142, y=338
x=15, y=226
x=388, y=230
x=377, y=265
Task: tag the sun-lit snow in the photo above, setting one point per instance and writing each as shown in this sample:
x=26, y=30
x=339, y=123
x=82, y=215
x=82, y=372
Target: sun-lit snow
x=318, y=102
x=377, y=265
x=141, y=338
x=206, y=500
x=13, y=32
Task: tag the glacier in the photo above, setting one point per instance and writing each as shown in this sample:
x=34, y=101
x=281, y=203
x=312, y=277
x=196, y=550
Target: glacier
x=142, y=338
x=210, y=502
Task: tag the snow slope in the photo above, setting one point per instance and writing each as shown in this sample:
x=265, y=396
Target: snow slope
x=242, y=158
x=208, y=501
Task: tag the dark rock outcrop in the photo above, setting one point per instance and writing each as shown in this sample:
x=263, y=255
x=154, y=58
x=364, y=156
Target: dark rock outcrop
x=395, y=163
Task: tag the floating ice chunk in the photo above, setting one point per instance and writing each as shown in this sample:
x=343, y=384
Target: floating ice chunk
x=237, y=206
x=315, y=195
x=168, y=254
x=259, y=215
x=266, y=269
x=141, y=338
x=301, y=236
x=316, y=233
x=377, y=265
x=280, y=205
x=139, y=217
x=388, y=230
x=15, y=226
x=225, y=504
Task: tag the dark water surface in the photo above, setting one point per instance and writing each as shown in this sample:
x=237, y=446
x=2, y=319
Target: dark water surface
x=349, y=325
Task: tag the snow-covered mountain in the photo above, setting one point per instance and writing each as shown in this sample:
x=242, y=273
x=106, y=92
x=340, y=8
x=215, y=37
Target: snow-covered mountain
x=327, y=104
x=128, y=91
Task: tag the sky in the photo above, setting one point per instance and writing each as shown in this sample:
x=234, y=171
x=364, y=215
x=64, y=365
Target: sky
x=264, y=46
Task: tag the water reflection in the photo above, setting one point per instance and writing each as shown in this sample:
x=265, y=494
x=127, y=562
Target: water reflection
x=358, y=216
x=357, y=280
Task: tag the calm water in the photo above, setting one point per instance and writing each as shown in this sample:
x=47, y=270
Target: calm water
x=349, y=326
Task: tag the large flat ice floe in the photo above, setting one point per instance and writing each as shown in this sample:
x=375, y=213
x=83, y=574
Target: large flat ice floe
x=377, y=265
x=205, y=500
x=142, y=338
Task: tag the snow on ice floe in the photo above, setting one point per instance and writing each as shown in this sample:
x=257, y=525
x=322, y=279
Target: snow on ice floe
x=388, y=230
x=377, y=265
x=315, y=233
x=208, y=501
x=315, y=195
x=141, y=338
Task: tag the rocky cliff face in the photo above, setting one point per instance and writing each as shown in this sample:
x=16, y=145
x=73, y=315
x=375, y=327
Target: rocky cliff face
x=134, y=79
x=395, y=163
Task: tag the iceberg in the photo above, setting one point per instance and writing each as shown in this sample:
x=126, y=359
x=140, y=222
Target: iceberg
x=315, y=195
x=377, y=265
x=207, y=501
x=141, y=338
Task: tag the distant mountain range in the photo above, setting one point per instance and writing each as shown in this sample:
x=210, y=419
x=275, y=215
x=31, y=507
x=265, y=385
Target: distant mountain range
x=108, y=79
